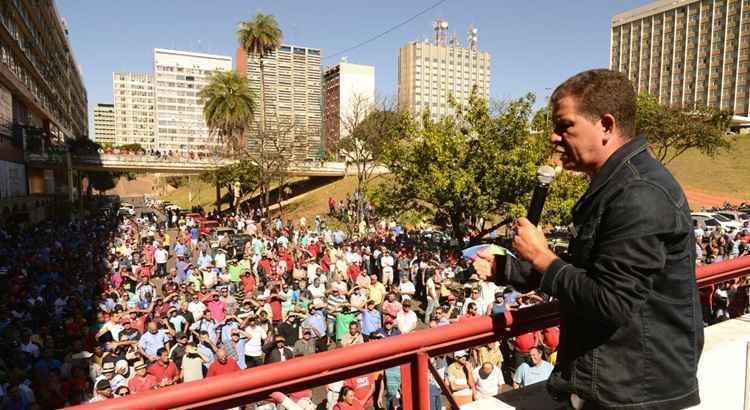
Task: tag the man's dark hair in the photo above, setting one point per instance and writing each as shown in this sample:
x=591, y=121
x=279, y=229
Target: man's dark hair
x=160, y=351
x=601, y=91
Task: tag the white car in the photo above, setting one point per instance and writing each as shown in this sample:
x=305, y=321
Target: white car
x=124, y=210
x=737, y=216
x=723, y=221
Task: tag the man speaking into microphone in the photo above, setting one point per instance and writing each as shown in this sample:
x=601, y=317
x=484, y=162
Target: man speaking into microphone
x=631, y=330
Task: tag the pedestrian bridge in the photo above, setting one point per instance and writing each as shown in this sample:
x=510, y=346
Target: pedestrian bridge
x=176, y=164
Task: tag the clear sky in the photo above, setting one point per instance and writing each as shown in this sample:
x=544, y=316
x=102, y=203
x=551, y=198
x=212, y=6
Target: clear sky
x=534, y=44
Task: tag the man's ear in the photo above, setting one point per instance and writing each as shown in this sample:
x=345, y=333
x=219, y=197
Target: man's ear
x=608, y=124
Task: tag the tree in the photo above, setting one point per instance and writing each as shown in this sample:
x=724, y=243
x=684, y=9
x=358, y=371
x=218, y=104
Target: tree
x=258, y=37
x=467, y=166
x=244, y=172
x=671, y=131
x=367, y=130
x=228, y=108
x=103, y=181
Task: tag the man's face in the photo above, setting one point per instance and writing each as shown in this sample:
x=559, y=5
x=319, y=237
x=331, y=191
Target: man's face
x=106, y=392
x=536, y=356
x=576, y=137
x=152, y=327
x=353, y=329
x=164, y=357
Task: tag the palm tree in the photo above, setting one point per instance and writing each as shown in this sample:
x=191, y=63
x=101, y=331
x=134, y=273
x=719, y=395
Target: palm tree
x=228, y=106
x=258, y=37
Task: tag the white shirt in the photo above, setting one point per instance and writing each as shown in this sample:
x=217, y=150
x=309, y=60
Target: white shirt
x=406, y=321
x=406, y=289
x=479, y=303
x=317, y=292
x=488, y=387
x=254, y=344
x=386, y=262
x=220, y=260
x=197, y=308
x=161, y=255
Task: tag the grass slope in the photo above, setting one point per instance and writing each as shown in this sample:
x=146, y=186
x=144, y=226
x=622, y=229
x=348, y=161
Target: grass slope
x=725, y=175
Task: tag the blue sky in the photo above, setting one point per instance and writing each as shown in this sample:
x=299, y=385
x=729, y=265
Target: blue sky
x=534, y=44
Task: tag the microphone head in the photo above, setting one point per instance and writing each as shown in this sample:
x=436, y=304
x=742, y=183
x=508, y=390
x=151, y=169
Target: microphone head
x=545, y=174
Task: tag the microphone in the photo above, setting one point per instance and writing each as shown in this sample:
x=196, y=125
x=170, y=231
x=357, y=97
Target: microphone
x=544, y=175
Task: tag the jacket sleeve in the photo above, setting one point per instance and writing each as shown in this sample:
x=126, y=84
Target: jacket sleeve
x=629, y=249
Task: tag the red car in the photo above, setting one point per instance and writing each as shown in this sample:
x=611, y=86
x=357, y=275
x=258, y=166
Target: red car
x=206, y=226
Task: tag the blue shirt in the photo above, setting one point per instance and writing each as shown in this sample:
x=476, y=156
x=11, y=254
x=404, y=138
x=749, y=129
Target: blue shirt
x=204, y=261
x=206, y=351
x=370, y=321
x=151, y=342
x=206, y=325
x=194, y=233
x=316, y=321
x=179, y=249
x=526, y=375
x=181, y=267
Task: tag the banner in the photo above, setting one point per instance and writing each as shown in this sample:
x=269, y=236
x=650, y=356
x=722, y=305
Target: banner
x=12, y=179
x=6, y=112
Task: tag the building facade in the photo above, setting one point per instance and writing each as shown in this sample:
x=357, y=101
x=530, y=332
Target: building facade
x=428, y=73
x=42, y=98
x=348, y=95
x=292, y=98
x=686, y=52
x=179, y=77
x=134, y=109
x=104, y=124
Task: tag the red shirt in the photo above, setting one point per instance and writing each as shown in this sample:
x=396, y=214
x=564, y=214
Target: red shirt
x=275, y=303
x=353, y=272
x=525, y=342
x=161, y=372
x=362, y=386
x=551, y=337
x=217, y=369
x=248, y=283
x=356, y=405
x=138, y=384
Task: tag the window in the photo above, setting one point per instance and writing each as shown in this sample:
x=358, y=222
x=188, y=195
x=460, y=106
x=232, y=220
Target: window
x=313, y=52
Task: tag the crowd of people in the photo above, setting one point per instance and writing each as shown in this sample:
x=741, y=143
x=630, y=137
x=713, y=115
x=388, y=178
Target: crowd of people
x=105, y=306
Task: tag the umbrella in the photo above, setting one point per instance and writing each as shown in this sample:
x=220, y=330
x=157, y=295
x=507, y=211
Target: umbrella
x=491, y=248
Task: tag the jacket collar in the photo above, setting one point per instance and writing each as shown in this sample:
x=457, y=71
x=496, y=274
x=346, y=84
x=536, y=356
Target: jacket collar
x=613, y=164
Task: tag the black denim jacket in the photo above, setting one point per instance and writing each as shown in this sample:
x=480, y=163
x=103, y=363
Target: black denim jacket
x=631, y=329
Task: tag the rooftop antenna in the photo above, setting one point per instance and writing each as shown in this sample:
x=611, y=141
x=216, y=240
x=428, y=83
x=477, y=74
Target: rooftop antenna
x=441, y=30
x=454, y=41
x=472, y=37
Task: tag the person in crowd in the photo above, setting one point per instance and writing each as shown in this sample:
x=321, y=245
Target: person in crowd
x=460, y=379
x=537, y=371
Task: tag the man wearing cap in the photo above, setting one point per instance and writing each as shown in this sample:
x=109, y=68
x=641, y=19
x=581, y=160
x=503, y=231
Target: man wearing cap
x=178, y=322
x=306, y=345
x=141, y=380
x=103, y=391
x=254, y=345
x=121, y=375
x=406, y=319
x=289, y=329
x=476, y=299
x=192, y=364
x=280, y=351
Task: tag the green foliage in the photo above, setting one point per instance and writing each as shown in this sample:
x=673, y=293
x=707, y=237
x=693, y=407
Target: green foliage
x=131, y=147
x=260, y=35
x=228, y=107
x=245, y=172
x=564, y=192
x=466, y=166
x=102, y=180
x=671, y=131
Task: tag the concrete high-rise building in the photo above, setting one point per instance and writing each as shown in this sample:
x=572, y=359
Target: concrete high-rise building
x=42, y=98
x=104, y=124
x=134, y=109
x=179, y=77
x=292, y=97
x=686, y=52
x=429, y=72
x=349, y=91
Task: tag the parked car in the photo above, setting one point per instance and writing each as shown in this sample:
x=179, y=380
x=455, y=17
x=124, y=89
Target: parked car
x=737, y=216
x=216, y=237
x=705, y=221
x=196, y=217
x=206, y=226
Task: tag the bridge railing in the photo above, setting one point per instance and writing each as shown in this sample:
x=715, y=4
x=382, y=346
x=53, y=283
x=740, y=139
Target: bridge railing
x=411, y=351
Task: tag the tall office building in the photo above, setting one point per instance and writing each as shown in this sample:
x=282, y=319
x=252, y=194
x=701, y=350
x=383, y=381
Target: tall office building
x=134, y=109
x=349, y=91
x=686, y=52
x=292, y=97
x=179, y=77
x=104, y=123
x=42, y=97
x=429, y=72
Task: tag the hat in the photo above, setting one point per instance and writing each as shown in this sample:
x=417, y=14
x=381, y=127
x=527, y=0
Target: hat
x=498, y=294
x=121, y=365
x=307, y=331
x=460, y=353
x=140, y=365
x=474, y=277
x=103, y=385
x=82, y=355
x=108, y=367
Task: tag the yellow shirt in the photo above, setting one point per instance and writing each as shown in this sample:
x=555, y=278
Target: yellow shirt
x=377, y=293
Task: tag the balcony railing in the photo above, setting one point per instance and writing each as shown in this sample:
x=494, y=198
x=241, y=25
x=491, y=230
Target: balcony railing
x=410, y=351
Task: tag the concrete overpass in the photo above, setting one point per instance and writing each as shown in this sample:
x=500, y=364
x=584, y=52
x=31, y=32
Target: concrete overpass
x=174, y=165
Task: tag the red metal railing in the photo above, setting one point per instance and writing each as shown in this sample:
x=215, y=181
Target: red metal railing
x=410, y=351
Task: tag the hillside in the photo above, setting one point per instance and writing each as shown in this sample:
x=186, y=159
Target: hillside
x=724, y=177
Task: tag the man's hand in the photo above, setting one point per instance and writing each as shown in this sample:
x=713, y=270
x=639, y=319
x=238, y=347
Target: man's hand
x=531, y=245
x=484, y=265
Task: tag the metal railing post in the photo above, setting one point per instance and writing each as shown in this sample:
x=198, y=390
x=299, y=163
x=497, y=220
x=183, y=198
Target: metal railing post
x=421, y=381
x=406, y=387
